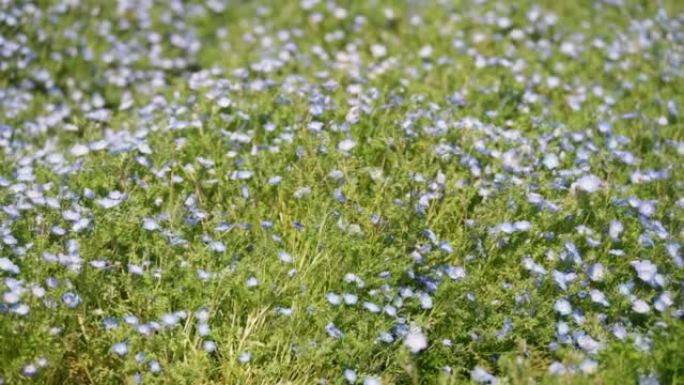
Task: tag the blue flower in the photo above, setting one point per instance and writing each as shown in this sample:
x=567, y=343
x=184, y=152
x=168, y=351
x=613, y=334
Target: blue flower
x=71, y=300
x=120, y=348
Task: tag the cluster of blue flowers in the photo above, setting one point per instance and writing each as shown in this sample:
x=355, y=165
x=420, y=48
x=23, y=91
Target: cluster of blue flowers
x=148, y=188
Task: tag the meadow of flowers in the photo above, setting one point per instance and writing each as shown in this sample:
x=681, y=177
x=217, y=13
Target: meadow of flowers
x=341, y=192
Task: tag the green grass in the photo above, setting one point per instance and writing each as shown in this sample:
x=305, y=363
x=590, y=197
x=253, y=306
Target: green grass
x=338, y=238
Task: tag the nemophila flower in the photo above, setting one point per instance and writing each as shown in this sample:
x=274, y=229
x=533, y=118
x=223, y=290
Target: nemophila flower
x=588, y=183
x=647, y=271
x=150, y=224
x=372, y=380
x=390, y=310
x=371, y=307
x=563, y=279
x=135, y=269
x=673, y=251
x=385, y=337
x=333, y=299
x=99, y=264
x=245, y=357
x=339, y=196
x=202, y=314
x=640, y=306
x=522, y=226
x=29, y=370
x=333, y=331
x=42, y=362
x=147, y=328
x=551, y=161
x=112, y=200
x=130, y=319
x=619, y=331
x=286, y=311
x=588, y=366
x=241, y=175
x=480, y=375
x=154, y=366
x=252, y=282
x=204, y=275
x=209, y=346
x=71, y=299
x=20, y=309
x=615, y=229
x=38, y=291
x=531, y=265
x=7, y=265
x=11, y=297
x=350, y=376
x=170, y=320
x=663, y=301
x=217, y=247
x=203, y=329
x=596, y=272
x=572, y=252
x=415, y=341
x=645, y=240
x=425, y=300
x=563, y=307
x=598, y=297
x=455, y=272
x=110, y=323
x=557, y=368
x=120, y=348
x=302, y=192
x=275, y=180
x=505, y=329
x=642, y=343
x=648, y=379
x=346, y=145
x=350, y=299
x=588, y=344
x=285, y=257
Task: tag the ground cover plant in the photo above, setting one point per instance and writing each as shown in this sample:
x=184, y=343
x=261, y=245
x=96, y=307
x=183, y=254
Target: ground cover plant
x=332, y=192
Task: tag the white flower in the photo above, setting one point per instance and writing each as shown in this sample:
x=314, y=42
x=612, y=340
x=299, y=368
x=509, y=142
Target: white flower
x=663, y=301
x=615, y=229
x=522, y=226
x=350, y=376
x=648, y=272
x=596, y=272
x=588, y=366
x=640, y=306
x=245, y=357
x=372, y=380
x=378, y=50
x=563, y=307
x=597, y=296
x=588, y=183
x=415, y=341
x=551, y=161
x=346, y=145
x=9, y=266
x=479, y=374
x=79, y=150
x=425, y=52
x=333, y=299
x=588, y=344
x=120, y=348
x=285, y=257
